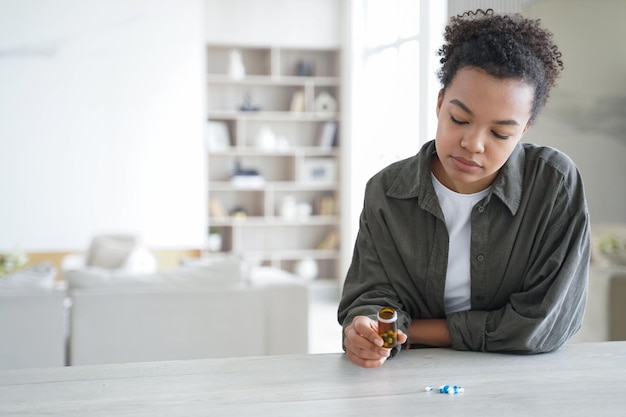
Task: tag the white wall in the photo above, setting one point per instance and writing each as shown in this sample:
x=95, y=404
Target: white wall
x=101, y=117
x=456, y=7
x=586, y=115
x=285, y=23
x=101, y=108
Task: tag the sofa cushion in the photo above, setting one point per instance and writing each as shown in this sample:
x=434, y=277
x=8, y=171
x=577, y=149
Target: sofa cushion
x=225, y=272
x=110, y=251
x=222, y=271
x=97, y=277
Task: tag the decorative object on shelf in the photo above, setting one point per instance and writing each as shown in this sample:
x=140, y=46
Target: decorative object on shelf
x=330, y=241
x=247, y=103
x=282, y=144
x=214, y=241
x=304, y=68
x=239, y=212
x=285, y=126
x=328, y=136
x=325, y=205
x=246, y=177
x=291, y=209
x=248, y=172
x=217, y=136
x=236, y=69
x=297, y=102
x=306, y=269
x=325, y=103
x=216, y=208
x=304, y=211
x=288, y=208
x=319, y=170
x=266, y=139
x=248, y=181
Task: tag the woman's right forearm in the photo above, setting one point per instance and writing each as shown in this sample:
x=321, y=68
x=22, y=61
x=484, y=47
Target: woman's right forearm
x=429, y=332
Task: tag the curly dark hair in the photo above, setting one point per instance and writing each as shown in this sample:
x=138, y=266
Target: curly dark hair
x=505, y=46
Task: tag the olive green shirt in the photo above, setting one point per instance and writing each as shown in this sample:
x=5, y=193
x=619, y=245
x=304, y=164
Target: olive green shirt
x=530, y=251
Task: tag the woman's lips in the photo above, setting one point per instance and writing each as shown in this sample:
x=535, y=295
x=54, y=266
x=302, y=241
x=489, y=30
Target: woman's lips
x=465, y=164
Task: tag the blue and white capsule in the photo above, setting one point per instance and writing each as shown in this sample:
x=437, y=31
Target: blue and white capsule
x=451, y=390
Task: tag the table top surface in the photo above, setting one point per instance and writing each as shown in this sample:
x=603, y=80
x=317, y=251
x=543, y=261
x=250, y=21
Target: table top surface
x=578, y=380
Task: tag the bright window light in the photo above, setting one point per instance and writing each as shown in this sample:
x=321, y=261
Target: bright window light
x=393, y=85
x=391, y=80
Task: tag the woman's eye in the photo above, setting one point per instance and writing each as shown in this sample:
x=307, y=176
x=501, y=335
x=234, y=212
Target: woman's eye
x=499, y=136
x=457, y=121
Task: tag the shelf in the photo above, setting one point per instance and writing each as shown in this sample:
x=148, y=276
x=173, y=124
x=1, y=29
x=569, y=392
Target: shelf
x=290, y=152
x=293, y=255
x=278, y=116
x=273, y=221
x=274, y=186
x=274, y=80
x=292, y=139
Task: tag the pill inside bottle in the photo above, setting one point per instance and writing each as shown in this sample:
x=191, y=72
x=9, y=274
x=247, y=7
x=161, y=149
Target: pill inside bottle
x=388, y=326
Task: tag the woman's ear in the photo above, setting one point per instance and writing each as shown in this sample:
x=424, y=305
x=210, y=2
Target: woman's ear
x=439, y=102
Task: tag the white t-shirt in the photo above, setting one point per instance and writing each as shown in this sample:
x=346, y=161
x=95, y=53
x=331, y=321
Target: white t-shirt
x=457, y=211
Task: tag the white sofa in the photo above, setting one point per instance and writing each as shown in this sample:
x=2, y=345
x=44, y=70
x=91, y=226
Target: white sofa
x=32, y=319
x=604, y=315
x=200, y=311
x=32, y=329
x=607, y=288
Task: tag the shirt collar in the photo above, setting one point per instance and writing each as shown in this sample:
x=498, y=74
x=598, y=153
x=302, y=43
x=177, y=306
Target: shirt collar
x=414, y=179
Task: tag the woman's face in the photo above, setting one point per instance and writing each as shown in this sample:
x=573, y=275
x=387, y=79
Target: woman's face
x=480, y=120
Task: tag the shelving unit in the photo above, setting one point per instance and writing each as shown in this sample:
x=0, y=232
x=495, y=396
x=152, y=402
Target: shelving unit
x=276, y=121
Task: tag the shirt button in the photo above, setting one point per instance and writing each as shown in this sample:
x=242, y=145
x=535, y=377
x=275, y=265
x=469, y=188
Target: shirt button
x=481, y=209
x=480, y=258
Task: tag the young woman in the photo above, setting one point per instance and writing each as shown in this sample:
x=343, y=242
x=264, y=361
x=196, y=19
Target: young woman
x=480, y=242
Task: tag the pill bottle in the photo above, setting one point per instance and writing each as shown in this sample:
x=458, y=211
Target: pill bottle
x=388, y=326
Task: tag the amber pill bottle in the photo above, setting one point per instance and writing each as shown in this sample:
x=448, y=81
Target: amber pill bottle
x=388, y=326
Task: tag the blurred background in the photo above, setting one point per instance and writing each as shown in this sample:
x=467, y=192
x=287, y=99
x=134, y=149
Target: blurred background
x=129, y=118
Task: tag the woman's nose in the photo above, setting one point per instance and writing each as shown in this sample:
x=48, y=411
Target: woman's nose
x=474, y=141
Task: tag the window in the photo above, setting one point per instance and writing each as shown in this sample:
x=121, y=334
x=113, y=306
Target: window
x=391, y=80
x=393, y=85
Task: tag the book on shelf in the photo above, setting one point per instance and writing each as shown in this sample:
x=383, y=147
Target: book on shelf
x=328, y=135
x=325, y=205
x=297, y=102
x=216, y=208
x=330, y=241
x=247, y=181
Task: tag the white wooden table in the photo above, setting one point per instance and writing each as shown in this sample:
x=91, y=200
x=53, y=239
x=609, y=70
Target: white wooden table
x=584, y=379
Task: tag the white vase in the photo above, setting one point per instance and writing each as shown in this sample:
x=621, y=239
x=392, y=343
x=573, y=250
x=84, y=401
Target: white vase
x=289, y=208
x=214, y=242
x=325, y=103
x=236, y=69
x=266, y=139
x=304, y=211
x=307, y=269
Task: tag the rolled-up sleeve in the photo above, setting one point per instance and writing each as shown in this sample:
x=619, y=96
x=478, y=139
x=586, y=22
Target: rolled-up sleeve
x=367, y=287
